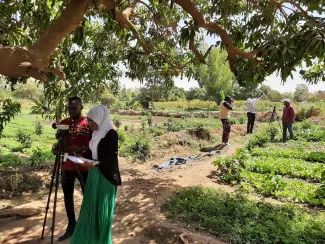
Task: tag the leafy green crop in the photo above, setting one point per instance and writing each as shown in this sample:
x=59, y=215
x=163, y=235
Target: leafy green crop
x=313, y=156
x=283, y=189
x=285, y=166
x=264, y=174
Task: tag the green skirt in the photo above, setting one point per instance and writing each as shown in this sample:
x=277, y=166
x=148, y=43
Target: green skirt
x=97, y=210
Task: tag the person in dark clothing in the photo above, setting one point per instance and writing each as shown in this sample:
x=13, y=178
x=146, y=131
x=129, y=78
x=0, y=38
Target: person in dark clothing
x=77, y=144
x=251, y=112
x=97, y=210
x=225, y=108
x=288, y=118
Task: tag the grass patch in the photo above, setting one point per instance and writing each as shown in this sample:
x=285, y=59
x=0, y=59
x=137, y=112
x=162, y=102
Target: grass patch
x=236, y=219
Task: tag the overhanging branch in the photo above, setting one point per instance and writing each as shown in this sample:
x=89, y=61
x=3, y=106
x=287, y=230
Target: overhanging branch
x=199, y=20
x=194, y=49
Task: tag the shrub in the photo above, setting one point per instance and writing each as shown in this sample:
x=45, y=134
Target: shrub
x=306, y=113
x=231, y=167
x=201, y=132
x=144, y=127
x=10, y=160
x=121, y=136
x=272, y=131
x=136, y=106
x=107, y=99
x=39, y=156
x=258, y=140
x=24, y=138
x=39, y=128
x=140, y=150
x=31, y=90
x=242, y=120
x=126, y=127
x=172, y=125
x=117, y=122
x=150, y=120
x=157, y=131
x=233, y=121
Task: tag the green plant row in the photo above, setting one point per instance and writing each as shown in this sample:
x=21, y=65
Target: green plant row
x=285, y=166
x=312, y=156
x=37, y=157
x=234, y=218
x=16, y=146
x=284, y=189
x=314, y=134
x=236, y=169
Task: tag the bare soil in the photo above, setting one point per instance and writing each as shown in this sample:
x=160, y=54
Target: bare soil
x=138, y=216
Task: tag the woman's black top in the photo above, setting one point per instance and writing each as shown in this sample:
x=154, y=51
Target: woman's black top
x=107, y=157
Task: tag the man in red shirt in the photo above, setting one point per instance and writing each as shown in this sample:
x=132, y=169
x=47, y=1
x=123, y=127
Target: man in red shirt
x=77, y=142
x=288, y=118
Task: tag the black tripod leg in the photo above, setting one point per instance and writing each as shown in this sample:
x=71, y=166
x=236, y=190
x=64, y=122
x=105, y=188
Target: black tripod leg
x=56, y=190
x=57, y=159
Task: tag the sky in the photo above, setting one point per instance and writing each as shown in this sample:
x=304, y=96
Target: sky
x=272, y=81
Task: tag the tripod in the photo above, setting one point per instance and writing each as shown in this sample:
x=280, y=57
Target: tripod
x=274, y=117
x=59, y=160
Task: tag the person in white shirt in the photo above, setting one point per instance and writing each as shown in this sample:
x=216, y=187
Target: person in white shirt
x=251, y=112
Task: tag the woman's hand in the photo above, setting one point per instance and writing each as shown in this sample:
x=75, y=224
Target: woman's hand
x=88, y=164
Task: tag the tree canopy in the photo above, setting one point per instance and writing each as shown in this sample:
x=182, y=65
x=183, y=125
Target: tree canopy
x=83, y=40
x=216, y=77
x=301, y=93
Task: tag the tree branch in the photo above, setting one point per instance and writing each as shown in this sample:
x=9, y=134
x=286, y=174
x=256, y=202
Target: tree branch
x=123, y=18
x=69, y=20
x=125, y=22
x=194, y=49
x=199, y=20
x=304, y=13
x=208, y=51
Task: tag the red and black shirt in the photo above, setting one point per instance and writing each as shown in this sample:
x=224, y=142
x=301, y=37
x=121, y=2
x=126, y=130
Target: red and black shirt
x=79, y=135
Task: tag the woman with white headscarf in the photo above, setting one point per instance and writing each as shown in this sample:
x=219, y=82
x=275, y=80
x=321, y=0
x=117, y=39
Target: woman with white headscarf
x=96, y=215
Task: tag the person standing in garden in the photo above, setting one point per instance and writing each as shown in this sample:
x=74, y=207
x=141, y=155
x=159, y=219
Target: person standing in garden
x=251, y=112
x=288, y=118
x=97, y=209
x=225, y=108
x=77, y=141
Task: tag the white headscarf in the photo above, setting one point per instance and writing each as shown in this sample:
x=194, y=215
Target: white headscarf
x=100, y=116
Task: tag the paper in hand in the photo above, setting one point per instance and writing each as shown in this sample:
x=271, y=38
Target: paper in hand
x=80, y=160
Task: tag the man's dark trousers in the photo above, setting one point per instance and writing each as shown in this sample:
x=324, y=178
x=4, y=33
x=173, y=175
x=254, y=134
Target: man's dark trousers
x=250, y=123
x=68, y=190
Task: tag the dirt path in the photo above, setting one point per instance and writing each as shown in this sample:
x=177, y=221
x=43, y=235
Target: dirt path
x=138, y=218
